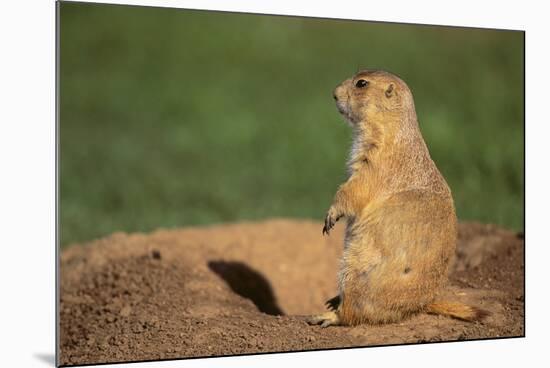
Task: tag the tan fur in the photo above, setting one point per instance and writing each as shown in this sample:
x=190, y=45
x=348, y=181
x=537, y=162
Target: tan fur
x=401, y=223
x=457, y=310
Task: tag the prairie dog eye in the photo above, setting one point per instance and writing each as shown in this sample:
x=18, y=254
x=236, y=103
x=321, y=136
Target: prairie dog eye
x=361, y=83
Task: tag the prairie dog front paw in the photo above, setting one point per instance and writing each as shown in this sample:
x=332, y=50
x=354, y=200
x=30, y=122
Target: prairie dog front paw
x=330, y=220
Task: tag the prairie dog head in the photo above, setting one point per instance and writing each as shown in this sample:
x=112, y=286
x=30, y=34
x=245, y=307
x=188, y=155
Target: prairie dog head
x=371, y=96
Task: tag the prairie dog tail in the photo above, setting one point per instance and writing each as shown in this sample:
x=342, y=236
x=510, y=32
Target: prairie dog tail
x=457, y=310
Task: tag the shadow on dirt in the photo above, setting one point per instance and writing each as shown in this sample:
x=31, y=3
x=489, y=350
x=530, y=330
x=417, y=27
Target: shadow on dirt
x=248, y=283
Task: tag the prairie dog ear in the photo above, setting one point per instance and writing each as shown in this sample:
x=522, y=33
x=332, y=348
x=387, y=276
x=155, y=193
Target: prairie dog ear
x=389, y=90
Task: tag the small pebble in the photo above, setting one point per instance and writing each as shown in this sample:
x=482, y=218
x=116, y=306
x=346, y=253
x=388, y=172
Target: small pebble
x=125, y=312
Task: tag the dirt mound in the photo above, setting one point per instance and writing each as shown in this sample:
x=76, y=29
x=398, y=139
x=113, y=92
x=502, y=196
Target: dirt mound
x=246, y=288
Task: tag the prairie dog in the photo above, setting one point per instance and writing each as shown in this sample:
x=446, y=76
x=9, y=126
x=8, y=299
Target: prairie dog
x=401, y=224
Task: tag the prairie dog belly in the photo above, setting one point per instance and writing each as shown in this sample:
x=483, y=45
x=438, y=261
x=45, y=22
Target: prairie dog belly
x=398, y=252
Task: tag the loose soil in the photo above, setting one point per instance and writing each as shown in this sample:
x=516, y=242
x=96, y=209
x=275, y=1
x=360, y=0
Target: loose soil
x=247, y=288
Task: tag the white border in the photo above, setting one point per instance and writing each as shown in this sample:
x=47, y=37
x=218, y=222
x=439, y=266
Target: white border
x=464, y=13
x=27, y=180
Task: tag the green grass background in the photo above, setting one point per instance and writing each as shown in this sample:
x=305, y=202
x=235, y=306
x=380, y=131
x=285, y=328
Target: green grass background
x=172, y=117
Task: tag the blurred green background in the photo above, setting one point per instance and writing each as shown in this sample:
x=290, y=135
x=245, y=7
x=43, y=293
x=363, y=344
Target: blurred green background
x=173, y=117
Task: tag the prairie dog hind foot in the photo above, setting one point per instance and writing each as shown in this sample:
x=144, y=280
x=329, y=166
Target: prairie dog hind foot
x=325, y=319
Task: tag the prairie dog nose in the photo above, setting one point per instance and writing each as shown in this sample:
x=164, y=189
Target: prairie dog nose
x=339, y=93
